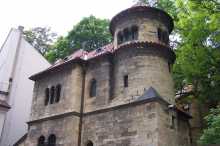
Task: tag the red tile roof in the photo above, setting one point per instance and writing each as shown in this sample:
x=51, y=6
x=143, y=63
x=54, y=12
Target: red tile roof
x=81, y=55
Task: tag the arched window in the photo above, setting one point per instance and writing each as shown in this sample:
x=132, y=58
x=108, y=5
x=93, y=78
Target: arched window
x=52, y=140
x=134, y=31
x=159, y=33
x=47, y=96
x=120, y=38
x=58, y=92
x=126, y=34
x=89, y=143
x=165, y=37
x=126, y=81
x=41, y=141
x=92, y=91
x=52, y=92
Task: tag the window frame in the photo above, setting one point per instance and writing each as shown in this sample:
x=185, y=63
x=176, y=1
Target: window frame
x=52, y=140
x=52, y=95
x=125, y=81
x=41, y=141
x=47, y=96
x=58, y=93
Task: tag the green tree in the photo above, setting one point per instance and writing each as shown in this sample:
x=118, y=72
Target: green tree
x=198, y=54
x=211, y=134
x=89, y=34
x=59, y=49
x=41, y=38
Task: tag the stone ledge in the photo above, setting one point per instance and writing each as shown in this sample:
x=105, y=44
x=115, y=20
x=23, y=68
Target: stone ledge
x=54, y=117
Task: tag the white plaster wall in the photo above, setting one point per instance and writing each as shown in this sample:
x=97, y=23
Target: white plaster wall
x=29, y=62
x=7, y=55
x=2, y=119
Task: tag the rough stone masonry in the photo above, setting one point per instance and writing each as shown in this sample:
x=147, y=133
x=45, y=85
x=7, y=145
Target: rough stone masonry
x=118, y=95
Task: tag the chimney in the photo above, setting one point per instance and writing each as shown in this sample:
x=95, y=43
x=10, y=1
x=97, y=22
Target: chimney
x=21, y=28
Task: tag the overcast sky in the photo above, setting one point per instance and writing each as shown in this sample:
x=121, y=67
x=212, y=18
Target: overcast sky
x=60, y=15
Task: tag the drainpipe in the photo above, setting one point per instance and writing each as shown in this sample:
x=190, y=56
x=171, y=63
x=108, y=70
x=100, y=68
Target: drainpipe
x=20, y=28
x=82, y=103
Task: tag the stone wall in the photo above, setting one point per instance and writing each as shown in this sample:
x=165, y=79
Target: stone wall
x=65, y=129
x=144, y=68
x=70, y=79
x=97, y=69
x=173, y=128
x=128, y=126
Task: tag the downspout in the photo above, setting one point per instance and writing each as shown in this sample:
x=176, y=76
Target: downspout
x=82, y=103
x=111, y=77
x=20, y=28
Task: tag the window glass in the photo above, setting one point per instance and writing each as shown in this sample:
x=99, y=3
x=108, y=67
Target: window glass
x=126, y=81
x=52, y=93
x=52, y=140
x=58, y=92
x=93, y=88
x=41, y=141
x=89, y=143
x=47, y=96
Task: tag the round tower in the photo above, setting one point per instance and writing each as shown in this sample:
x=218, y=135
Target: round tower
x=141, y=42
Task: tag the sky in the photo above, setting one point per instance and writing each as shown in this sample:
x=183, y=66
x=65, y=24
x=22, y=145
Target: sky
x=60, y=15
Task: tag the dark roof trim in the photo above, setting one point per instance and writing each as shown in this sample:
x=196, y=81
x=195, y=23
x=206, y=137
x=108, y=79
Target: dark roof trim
x=53, y=117
x=142, y=9
x=54, y=68
x=22, y=139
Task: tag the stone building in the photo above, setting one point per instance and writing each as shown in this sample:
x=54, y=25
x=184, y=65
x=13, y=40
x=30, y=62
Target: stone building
x=119, y=95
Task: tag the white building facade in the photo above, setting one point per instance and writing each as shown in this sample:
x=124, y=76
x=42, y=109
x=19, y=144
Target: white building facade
x=18, y=61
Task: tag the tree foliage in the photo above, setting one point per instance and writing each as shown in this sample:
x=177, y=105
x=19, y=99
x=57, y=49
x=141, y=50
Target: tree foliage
x=40, y=38
x=211, y=134
x=89, y=34
x=198, y=54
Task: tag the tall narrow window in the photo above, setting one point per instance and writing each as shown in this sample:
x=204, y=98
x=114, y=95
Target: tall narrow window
x=41, y=141
x=126, y=81
x=93, y=88
x=52, y=93
x=120, y=38
x=165, y=37
x=89, y=143
x=52, y=140
x=58, y=93
x=47, y=96
x=126, y=34
x=159, y=33
x=134, y=31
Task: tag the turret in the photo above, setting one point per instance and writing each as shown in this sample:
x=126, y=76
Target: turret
x=143, y=56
